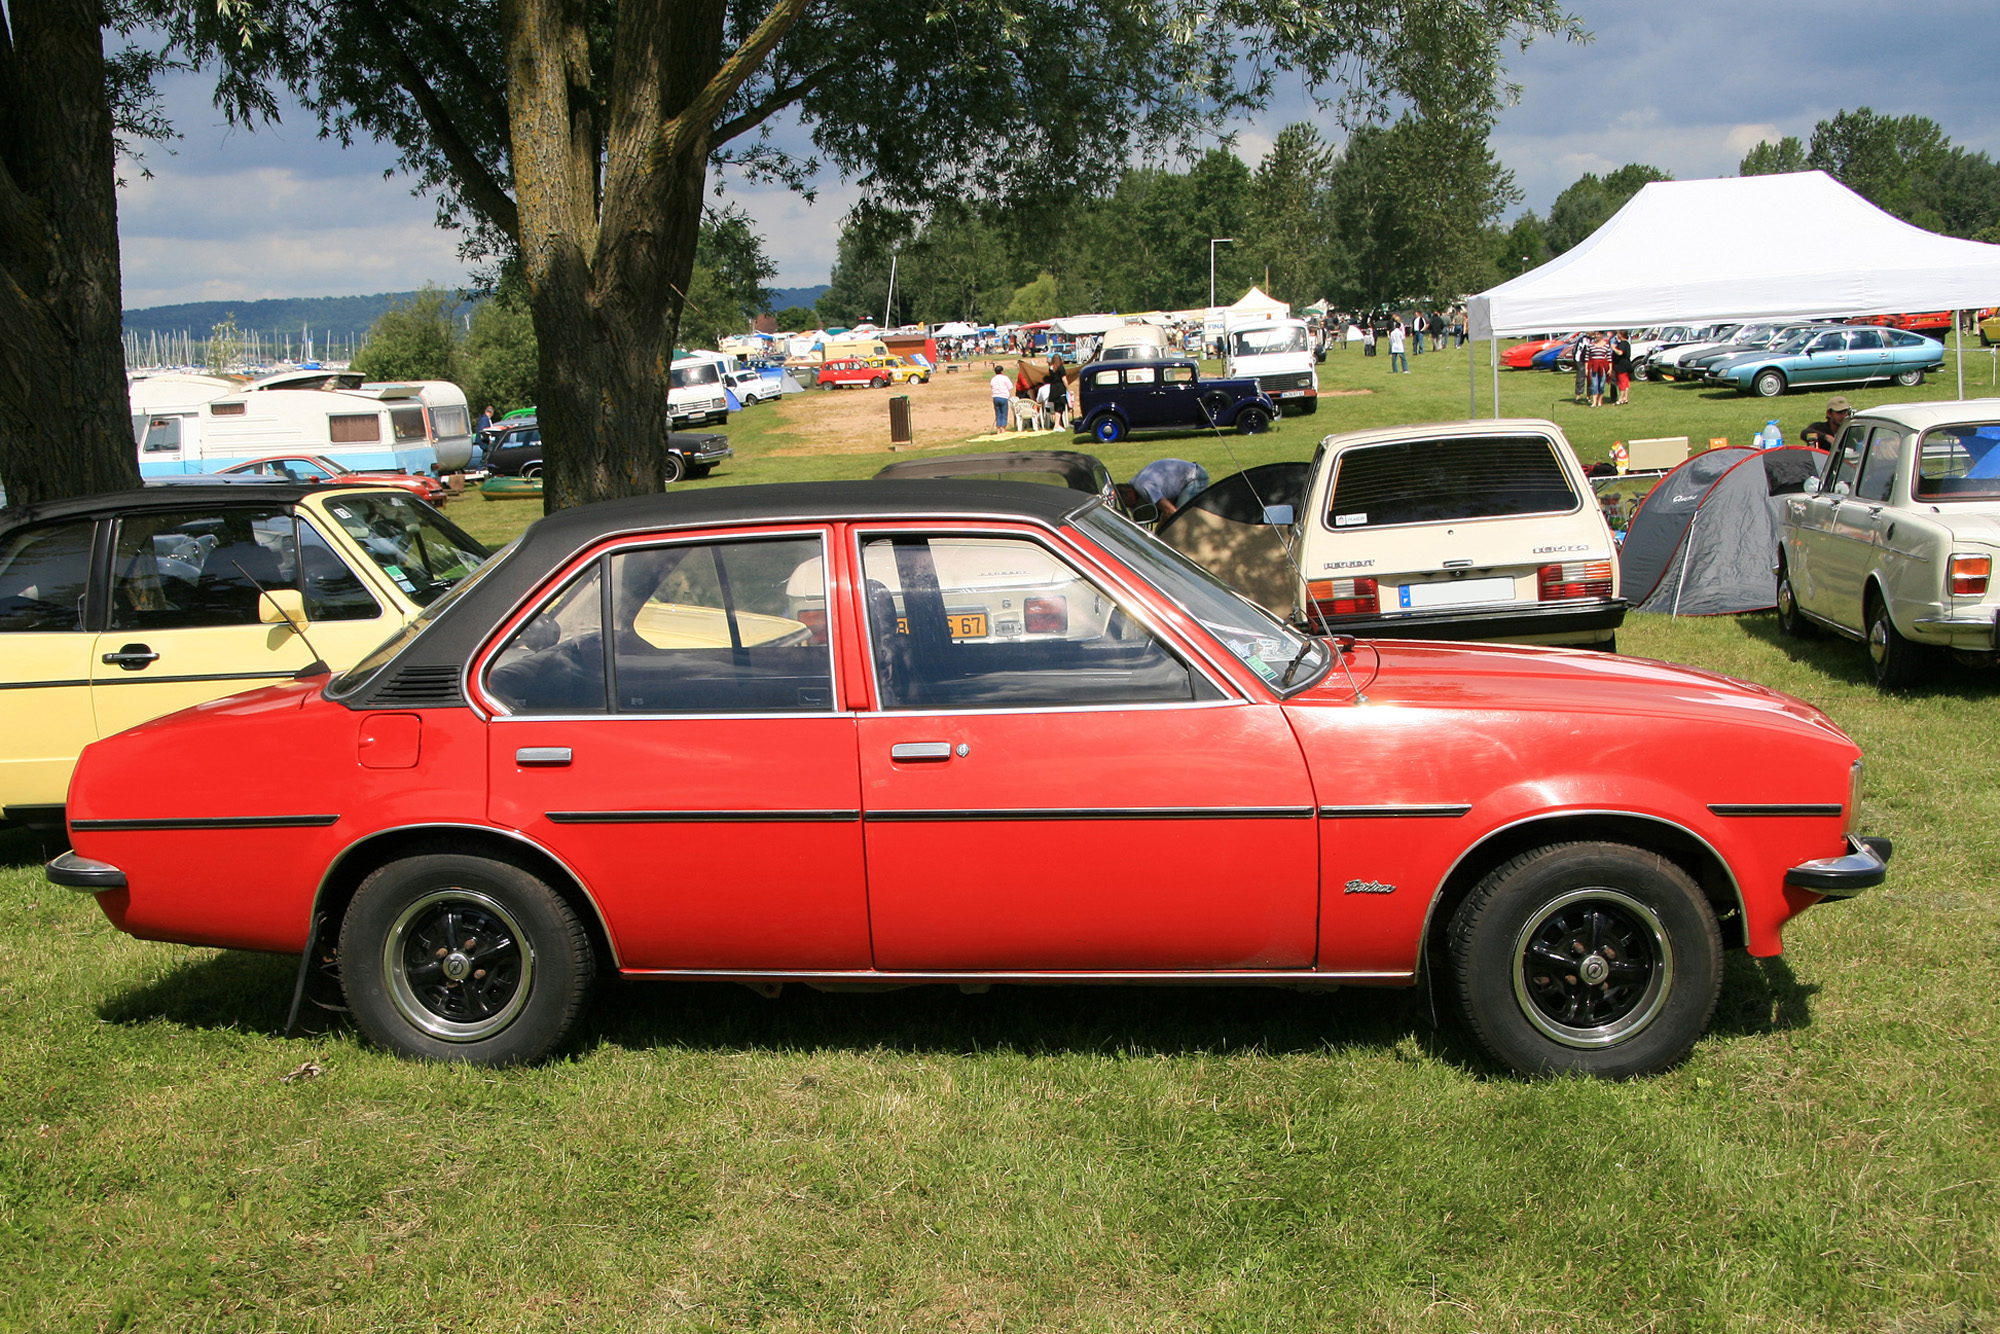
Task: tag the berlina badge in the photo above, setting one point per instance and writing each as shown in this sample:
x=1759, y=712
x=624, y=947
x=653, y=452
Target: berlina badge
x=1368, y=887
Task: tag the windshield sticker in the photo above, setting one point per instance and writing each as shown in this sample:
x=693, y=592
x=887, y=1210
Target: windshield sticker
x=340, y=510
x=1349, y=520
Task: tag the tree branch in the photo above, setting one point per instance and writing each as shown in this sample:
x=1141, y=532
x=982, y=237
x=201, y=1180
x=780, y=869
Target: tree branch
x=479, y=185
x=769, y=107
x=445, y=39
x=692, y=125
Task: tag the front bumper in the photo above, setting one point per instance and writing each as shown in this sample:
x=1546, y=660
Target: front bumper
x=1864, y=866
x=701, y=449
x=83, y=875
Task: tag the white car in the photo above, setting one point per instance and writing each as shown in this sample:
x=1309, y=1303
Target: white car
x=749, y=387
x=1897, y=547
x=1460, y=530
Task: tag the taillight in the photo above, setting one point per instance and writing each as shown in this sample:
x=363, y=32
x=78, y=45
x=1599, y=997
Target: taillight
x=814, y=619
x=1969, y=575
x=1046, y=616
x=1572, y=580
x=1342, y=597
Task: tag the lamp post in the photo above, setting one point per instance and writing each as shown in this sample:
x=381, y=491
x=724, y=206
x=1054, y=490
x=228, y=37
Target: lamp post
x=1213, y=242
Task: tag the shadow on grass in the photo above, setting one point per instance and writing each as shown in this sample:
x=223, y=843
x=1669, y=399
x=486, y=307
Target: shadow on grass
x=1846, y=660
x=23, y=847
x=251, y=993
x=233, y=989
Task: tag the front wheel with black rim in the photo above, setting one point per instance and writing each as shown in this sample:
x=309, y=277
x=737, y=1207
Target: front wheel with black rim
x=1214, y=405
x=1253, y=421
x=1894, y=661
x=452, y=957
x=1768, y=384
x=673, y=469
x=1909, y=379
x=1586, y=958
x=1107, y=429
x=1791, y=621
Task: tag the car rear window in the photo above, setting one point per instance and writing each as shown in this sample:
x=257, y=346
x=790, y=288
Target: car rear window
x=1960, y=462
x=1439, y=481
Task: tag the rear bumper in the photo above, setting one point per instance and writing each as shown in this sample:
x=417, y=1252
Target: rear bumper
x=1583, y=622
x=1864, y=866
x=1977, y=630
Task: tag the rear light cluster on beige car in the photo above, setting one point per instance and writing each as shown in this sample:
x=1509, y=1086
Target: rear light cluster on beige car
x=1969, y=575
x=1342, y=597
x=1573, y=580
x=1046, y=615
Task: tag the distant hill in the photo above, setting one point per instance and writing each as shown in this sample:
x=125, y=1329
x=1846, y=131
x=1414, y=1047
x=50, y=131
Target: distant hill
x=345, y=318
x=783, y=297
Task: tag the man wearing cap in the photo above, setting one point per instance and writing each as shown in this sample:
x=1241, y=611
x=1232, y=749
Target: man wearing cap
x=1825, y=434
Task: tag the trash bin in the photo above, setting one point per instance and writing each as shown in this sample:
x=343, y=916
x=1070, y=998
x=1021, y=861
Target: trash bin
x=899, y=420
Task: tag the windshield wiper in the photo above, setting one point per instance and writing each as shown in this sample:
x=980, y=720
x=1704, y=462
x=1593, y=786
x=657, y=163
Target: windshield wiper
x=1299, y=657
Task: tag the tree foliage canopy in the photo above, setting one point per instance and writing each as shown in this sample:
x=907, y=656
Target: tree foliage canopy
x=1589, y=203
x=1905, y=165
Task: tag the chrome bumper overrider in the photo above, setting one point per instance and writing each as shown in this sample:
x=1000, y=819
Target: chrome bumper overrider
x=1865, y=865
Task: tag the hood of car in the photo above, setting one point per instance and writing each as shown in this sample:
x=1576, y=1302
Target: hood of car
x=1413, y=673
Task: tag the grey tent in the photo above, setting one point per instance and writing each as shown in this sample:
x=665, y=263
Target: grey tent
x=1223, y=530
x=1703, y=543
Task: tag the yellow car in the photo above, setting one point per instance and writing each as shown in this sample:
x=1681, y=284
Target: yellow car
x=1989, y=327
x=116, y=609
x=901, y=369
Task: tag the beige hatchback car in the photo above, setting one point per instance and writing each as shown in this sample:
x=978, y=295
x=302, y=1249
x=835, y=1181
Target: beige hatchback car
x=1484, y=530
x=1897, y=547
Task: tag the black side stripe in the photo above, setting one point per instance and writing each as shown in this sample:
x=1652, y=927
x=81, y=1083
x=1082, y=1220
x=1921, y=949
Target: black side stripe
x=1777, y=808
x=141, y=678
x=40, y=685
x=216, y=822
x=1434, y=812
x=702, y=817
x=1103, y=813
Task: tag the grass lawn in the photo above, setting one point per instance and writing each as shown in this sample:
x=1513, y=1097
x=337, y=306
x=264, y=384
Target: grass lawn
x=1064, y=1159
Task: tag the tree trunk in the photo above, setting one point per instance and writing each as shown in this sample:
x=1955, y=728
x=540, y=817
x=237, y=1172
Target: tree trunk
x=65, y=427
x=606, y=262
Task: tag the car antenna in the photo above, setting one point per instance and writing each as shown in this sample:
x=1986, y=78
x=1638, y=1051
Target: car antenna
x=317, y=667
x=1285, y=546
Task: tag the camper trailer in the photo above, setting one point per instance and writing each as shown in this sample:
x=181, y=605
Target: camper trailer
x=185, y=424
x=450, y=420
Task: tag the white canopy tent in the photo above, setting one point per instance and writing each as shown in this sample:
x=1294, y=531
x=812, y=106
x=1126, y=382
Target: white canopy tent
x=1745, y=247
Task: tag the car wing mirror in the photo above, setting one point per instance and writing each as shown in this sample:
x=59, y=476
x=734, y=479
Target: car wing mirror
x=1279, y=516
x=1143, y=512
x=281, y=606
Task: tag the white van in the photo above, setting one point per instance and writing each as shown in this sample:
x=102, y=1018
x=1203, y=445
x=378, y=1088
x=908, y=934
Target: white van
x=1460, y=530
x=1133, y=342
x=694, y=392
x=1278, y=355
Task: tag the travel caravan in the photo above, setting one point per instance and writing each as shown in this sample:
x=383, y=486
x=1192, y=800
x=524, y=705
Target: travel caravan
x=450, y=420
x=1278, y=355
x=1133, y=342
x=182, y=424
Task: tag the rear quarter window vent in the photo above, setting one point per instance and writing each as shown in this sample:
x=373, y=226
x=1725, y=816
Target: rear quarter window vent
x=414, y=684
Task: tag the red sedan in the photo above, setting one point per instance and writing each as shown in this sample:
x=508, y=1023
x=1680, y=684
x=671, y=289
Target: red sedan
x=869, y=733
x=318, y=468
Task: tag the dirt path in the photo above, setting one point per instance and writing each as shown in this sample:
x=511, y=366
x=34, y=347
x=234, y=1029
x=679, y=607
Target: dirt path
x=953, y=407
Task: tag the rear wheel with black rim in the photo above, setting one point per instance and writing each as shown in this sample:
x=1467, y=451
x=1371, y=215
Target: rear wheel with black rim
x=1214, y=405
x=1586, y=958
x=453, y=957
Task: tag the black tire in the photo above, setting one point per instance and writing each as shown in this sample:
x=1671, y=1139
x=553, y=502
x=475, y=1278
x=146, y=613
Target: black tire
x=673, y=469
x=1214, y=404
x=748, y=400
x=412, y=948
x=1909, y=379
x=1107, y=429
x=878, y=383
x=1791, y=621
x=1308, y=406
x=1644, y=942
x=1768, y=384
x=530, y=470
x=1895, y=662
x=1253, y=421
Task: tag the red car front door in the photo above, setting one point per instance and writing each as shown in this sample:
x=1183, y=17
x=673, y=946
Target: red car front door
x=1049, y=784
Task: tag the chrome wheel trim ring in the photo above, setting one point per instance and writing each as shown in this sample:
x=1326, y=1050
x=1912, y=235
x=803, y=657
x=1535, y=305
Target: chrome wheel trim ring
x=404, y=996
x=1636, y=1018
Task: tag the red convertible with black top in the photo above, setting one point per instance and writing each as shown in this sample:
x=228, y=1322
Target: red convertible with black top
x=929, y=732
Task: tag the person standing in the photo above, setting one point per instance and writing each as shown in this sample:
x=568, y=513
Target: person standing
x=1416, y=335
x=1003, y=395
x=485, y=418
x=1058, y=391
x=1368, y=340
x=1598, y=352
x=1621, y=363
x=1397, y=359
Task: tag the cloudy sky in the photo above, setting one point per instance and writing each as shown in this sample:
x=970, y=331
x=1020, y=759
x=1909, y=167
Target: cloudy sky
x=233, y=215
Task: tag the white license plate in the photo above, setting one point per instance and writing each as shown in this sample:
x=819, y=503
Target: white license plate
x=1291, y=393
x=1455, y=593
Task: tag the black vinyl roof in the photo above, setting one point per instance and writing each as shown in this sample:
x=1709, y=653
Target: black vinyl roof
x=551, y=542
x=176, y=496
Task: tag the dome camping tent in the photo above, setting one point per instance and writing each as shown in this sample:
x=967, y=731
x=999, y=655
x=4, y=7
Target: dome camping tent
x=1703, y=543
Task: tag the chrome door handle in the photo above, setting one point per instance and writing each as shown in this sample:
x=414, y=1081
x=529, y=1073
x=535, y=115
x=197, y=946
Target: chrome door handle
x=920, y=750
x=132, y=657
x=542, y=757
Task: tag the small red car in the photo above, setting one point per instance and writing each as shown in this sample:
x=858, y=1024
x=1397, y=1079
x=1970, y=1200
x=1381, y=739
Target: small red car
x=850, y=370
x=1522, y=355
x=1935, y=322
x=308, y=468
x=880, y=733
